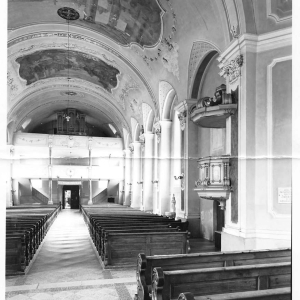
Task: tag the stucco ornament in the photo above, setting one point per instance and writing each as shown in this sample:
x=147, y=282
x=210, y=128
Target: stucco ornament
x=233, y=69
x=131, y=148
x=129, y=85
x=182, y=119
x=12, y=86
x=169, y=57
x=157, y=131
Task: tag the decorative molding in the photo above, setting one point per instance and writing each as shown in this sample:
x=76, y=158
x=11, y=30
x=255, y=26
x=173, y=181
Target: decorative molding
x=272, y=14
x=270, y=196
x=233, y=69
x=258, y=43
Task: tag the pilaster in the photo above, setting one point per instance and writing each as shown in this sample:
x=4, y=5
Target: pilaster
x=148, y=172
x=136, y=176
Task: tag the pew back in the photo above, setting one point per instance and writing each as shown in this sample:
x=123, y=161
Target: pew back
x=169, y=284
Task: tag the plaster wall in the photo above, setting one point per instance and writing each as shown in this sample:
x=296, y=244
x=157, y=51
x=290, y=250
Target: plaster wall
x=273, y=139
x=45, y=188
x=263, y=19
x=24, y=187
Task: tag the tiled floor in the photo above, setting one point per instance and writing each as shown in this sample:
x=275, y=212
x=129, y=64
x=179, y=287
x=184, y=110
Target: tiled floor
x=68, y=268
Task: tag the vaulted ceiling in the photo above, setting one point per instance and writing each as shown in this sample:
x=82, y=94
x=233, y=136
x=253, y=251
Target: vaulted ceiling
x=109, y=62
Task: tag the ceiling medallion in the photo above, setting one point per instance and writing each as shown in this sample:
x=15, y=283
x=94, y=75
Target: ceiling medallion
x=68, y=13
x=69, y=93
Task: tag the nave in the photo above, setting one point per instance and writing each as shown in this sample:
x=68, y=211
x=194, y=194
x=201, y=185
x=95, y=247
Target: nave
x=67, y=264
x=67, y=267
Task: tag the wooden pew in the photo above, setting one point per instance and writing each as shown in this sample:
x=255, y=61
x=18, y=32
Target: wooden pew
x=146, y=264
x=132, y=228
x=272, y=294
x=122, y=248
x=169, y=284
x=112, y=229
x=25, y=229
x=15, y=255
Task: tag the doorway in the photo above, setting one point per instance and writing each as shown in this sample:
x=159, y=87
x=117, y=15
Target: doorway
x=70, y=197
x=219, y=220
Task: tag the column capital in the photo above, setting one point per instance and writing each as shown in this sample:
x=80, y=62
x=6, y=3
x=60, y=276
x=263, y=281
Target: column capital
x=157, y=130
x=185, y=105
x=126, y=152
x=131, y=147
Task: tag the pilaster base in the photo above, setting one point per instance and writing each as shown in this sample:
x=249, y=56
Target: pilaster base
x=90, y=202
x=230, y=242
x=50, y=202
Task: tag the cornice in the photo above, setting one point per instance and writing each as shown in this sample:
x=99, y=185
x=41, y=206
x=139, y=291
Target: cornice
x=259, y=43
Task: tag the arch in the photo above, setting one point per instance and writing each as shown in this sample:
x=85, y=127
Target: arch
x=135, y=129
x=10, y=132
x=146, y=109
x=168, y=103
x=149, y=122
x=126, y=138
x=164, y=88
x=200, y=72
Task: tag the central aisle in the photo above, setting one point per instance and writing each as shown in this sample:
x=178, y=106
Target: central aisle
x=67, y=250
x=67, y=267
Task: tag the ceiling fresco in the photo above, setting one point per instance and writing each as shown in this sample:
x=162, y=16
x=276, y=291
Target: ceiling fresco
x=125, y=21
x=72, y=64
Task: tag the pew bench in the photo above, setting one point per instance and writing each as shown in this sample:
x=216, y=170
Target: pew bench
x=167, y=285
x=146, y=264
x=122, y=248
x=272, y=294
x=100, y=233
x=15, y=260
x=25, y=230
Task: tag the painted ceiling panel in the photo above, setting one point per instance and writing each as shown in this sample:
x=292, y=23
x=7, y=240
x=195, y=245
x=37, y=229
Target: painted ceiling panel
x=61, y=63
x=124, y=21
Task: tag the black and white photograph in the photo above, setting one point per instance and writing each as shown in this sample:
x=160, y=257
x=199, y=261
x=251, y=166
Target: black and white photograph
x=149, y=150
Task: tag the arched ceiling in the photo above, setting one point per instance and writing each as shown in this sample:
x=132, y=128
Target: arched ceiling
x=109, y=62
x=124, y=21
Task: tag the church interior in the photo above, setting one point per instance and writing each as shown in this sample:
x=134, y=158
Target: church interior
x=147, y=149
